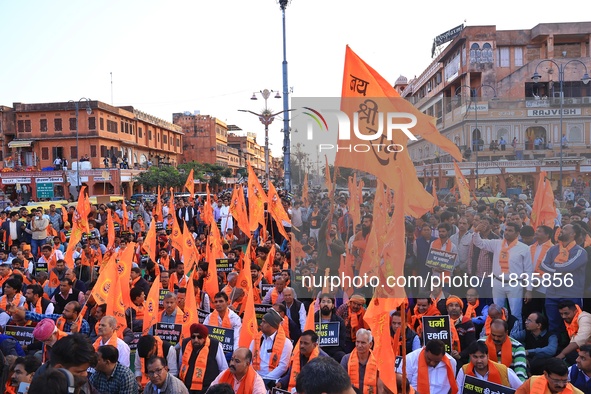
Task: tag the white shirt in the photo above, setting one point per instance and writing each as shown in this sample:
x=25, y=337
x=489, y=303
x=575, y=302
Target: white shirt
x=48, y=311
x=235, y=321
x=514, y=381
x=12, y=225
x=281, y=368
x=438, y=382
x=301, y=313
x=258, y=386
x=124, y=351
x=519, y=257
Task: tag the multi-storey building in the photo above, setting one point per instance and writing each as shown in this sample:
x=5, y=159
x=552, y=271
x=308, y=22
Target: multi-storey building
x=99, y=136
x=481, y=92
x=206, y=138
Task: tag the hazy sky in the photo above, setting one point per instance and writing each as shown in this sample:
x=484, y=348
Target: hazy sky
x=175, y=56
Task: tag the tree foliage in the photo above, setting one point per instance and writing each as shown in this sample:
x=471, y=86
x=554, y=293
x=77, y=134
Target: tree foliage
x=168, y=176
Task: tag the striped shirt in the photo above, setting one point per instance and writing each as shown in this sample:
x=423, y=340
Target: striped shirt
x=519, y=364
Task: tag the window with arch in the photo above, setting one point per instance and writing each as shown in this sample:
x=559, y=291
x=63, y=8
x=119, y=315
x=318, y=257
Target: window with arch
x=487, y=53
x=475, y=53
x=575, y=134
x=503, y=133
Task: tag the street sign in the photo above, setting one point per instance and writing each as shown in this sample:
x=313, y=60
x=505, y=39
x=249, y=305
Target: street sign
x=45, y=190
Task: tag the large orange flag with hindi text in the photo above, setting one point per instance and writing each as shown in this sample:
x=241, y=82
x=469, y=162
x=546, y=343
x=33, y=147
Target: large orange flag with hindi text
x=463, y=186
x=368, y=95
x=256, y=200
x=151, y=310
x=544, y=208
x=105, y=282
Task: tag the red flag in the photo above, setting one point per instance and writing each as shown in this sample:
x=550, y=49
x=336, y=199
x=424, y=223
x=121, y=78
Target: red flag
x=463, y=185
x=362, y=88
x=190, y=185
x=275, y=208
x=238, y=209
x=150, y=241
x=544, y=208
x=256, y=200
x=151, y=310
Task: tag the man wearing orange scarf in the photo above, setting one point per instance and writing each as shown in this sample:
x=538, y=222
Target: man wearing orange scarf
x=506, y=350
x=553, y=381
x=303, y=353
x=361, y=365
x=352, y=313
x=578, y=327
x=431, y=370
x=565, y=260
x=423, y=307
x=107, y=335
x=270, y=349
x=462, y=329
x=482, y=368
x=224, y=317
x=241, y=375
x=202, y=359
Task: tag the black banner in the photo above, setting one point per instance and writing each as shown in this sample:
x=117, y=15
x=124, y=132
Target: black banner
x=275, y=390
x=328, y=333
x=224, y=335
x=161, y=295
x=260, y=310
x=225, y=265
x=441, y=259
x=448, y=35
x=23, y=335
x=437, y=327
x=201, y=314
x=169, y=332
x=473, y=385
x=133, y=344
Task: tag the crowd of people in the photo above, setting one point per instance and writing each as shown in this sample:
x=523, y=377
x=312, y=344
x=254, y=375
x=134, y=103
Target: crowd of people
x=525, y=325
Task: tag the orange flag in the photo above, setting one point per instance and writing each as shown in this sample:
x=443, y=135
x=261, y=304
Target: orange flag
x=115, y=306
x=463, y=185
x=124, y=268
x=82, y=211
x=189, y=251
x=388, y=299
x=75, y=237
x=217, y=251
x=305, y=191
x=190, y=316
x=110, y=230
x=105, y=282
x=151, y=310
x=310, y=325
x=434, y=194
x=249, y=321
x=64, y=214
x=365, y=89
x=243, y=282
x=544, y=208
x=176, y=236
x=125, y=219
x=190, y=185
x=275, y=208
x=210, y=282
x=267, y=269
x=150, y=241
x=256, y=200
x=238, y=209
x=158, y=207
x=208, y=217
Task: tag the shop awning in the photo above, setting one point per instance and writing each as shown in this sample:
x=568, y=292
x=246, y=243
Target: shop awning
x=20, y=144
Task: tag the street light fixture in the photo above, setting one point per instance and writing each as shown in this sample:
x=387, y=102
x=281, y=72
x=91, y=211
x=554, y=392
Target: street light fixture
x=473, y=98
x=561, y=67
x=266, y=117
x=89, y=112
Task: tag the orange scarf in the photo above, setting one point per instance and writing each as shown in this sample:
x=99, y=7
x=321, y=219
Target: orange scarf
x=60, y=323
x=504, y=256
x=370, y=380
x=437, y=245
x=178, y=319
x=275, y=353
x=489, y=320
x=296, y=364
x=471, y=309
x=455, y=338
x=247, y=383
x=112, y=341
x=214, y=319
x=423, y=385
x=159, y=353
x=355, y=322
x=285, y=325
x=39, y=306
x=545, y=246
x=563, y=252
x=573, y=327
x=274, y=296
x=200, y=365
x=506, y=351
x=16, y=301
x=418, y=317
x=539, y=385
x=493, y=373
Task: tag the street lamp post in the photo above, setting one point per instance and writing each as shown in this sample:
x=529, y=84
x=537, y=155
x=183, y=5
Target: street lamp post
x=286, y=142
x=266, y=118
x=88, y=111
x=561, y=67
x=473, y=98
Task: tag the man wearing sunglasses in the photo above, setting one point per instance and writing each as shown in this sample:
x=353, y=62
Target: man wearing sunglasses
x=201, y=359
